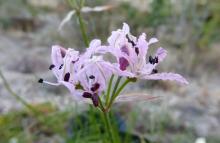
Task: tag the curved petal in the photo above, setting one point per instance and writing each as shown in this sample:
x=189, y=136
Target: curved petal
x=135, y=97
x=57, y=55
x=152, y=40
x=166, y=76
x=142, y=45
x=119, y=37
x=161, y=54
x=125, y=28
x=113, y=38
x=95, y=43
x=95, y=47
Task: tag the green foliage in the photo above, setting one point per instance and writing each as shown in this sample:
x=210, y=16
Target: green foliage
x=210, y=28
x=24, y=127
x=160, y=13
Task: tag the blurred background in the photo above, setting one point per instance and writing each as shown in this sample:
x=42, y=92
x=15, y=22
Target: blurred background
x=189, y=30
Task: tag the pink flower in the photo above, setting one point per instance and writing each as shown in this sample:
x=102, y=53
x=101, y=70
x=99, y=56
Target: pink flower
x=131, y=55
x=85, y=75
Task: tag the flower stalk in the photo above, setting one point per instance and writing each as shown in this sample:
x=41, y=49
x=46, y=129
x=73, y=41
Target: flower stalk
x=82, y=28
x=109, y=127
x=109, y=89
x=77, y=6
x=17, y=97
x=115, y=94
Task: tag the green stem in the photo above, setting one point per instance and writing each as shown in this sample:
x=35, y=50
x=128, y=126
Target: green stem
x=109, y=89
x=82, y=28
x=18, y=98
x=101, y=105
x=118, y=92
x=116, y=85
x=108, y=127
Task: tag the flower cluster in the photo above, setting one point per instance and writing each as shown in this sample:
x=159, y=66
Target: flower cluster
x=87, y=75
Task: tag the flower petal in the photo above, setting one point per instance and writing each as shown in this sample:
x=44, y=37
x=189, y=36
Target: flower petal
x=152, y=40
x=57, y=55
x=166, y=76
x=134, y=97
x=125, y=28
x=161, y=54
x=95, y=47
x=142, y=44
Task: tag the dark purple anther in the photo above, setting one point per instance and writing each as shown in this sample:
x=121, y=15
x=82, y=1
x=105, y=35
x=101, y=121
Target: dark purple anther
x=136, y=50
x=95, y=100
x=151, y=60
x=51, y=67
x=95, y=87
x=123, y=63
x=40, y=80
x=61, y=66
x=130, y=41
x=67, y=77
x=87, y=95
x=154, y=71
x=156, y=59
x=91, y=76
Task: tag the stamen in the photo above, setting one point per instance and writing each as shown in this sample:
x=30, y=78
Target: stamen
x=67, y=77
x=91, y=76
x=136, y=50
x=50, y=83
x=154, y=71
x=87, y=95
x=156, y=59
x=40, y=80
x=95, y=87
x=61, y=66
x=130, y=41
x=51, y=67
x=95, y=100
x=151, y=60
